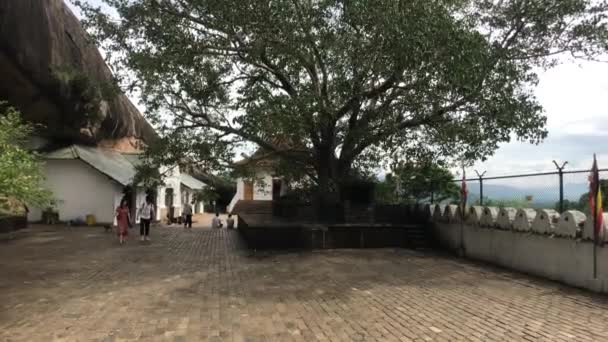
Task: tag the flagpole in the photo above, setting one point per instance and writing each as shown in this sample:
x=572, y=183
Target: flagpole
x=595, y=207
x=462, y=213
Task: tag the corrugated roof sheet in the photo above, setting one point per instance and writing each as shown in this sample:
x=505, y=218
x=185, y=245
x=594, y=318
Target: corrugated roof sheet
x=111, y=163
x=191, y=182
x=133, y=158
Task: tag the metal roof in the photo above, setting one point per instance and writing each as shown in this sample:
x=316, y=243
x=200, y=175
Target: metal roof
x=133, y=158
x=111, y=163
x=191, y=182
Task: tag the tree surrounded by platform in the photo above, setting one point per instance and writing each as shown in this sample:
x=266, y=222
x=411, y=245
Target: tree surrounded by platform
x=348, y=85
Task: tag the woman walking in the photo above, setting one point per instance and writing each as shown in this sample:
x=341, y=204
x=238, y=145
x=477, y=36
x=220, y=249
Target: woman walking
x=123, y=219
x=146, y=214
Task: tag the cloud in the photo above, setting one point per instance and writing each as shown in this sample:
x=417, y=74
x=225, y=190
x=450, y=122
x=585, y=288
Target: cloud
x=573, y=96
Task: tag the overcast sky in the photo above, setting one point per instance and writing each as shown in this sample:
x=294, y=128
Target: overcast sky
x=574, y=96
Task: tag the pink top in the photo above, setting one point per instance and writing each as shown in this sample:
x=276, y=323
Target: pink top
x=122, y=218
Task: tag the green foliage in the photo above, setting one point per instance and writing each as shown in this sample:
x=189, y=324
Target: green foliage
x=20, y=170
x=583, y=202
x=386, y=191
x=411, y=182
x=206, y=195
x=572, y=205
x=354, y=83
x=506, y=203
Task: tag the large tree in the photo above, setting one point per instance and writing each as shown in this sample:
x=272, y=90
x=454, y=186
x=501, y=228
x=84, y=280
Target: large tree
x=345, y=82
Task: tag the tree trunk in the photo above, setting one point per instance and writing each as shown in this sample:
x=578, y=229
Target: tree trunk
x=327, y=197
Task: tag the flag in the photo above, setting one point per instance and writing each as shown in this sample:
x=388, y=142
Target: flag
x=595, y=199
x=600, y=213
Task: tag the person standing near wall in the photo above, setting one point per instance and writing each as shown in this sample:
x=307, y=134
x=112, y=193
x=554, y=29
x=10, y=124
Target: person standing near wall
x=146, y=213
x=187, y=212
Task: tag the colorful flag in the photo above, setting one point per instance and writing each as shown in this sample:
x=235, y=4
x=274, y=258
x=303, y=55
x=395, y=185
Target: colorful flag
x=595, y=199
x=600, y=214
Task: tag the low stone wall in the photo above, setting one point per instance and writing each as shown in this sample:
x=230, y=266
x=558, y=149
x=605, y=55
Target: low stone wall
x=12, y=223
x=263, y=234
x=537, y=242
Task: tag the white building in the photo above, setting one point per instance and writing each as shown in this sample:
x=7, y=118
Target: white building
x=189, y=187
x=263, y=185
x=92, y=181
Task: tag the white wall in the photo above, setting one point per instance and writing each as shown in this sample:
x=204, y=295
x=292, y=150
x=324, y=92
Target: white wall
x=82, y=189
x=566, y=260
x=187, y=196
x=262, y=189
x=239, y=195
x=173, y=181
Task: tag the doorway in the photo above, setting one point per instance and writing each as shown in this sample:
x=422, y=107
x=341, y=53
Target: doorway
x=169, y=204
x=276, y=188
x=248, y=190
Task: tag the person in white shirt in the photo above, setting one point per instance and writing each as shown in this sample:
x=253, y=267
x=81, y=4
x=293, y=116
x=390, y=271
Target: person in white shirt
x=146, y=213
x=230, y=222
x=216, y=222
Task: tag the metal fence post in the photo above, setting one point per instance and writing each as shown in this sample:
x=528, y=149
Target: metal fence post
x=480, y=186
x=560, y=172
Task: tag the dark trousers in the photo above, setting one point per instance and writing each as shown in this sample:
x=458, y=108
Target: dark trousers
x=188, y=221
x=144, y=227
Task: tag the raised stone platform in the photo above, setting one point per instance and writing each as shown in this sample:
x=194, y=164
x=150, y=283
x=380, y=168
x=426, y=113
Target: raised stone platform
x=282, y=235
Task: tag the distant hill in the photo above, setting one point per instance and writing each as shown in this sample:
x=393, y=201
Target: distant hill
x=547, y=195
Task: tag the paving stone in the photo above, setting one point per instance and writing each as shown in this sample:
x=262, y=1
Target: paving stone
x=80, y=285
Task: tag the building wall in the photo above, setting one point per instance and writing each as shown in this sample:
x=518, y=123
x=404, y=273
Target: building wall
x=187, y=196
x=81, y=190
x=172, y=181
x=262, y=189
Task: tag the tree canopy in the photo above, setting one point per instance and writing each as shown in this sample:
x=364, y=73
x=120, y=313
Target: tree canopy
x=412, y=183
x=348, y=83
x=20, y=170
x=583, y=201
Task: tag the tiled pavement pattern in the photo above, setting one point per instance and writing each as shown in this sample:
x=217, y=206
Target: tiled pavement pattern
x=80, y=285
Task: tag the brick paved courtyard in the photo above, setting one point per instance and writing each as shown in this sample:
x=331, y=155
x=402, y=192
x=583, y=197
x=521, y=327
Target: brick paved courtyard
x=196, y=285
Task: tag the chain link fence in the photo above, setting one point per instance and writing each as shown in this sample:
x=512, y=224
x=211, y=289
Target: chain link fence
x=560, y=190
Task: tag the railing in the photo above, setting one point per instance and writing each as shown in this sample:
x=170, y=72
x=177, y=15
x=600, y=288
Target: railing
x=234, y=200
x=560, y=190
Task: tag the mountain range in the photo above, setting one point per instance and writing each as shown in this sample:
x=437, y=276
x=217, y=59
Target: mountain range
x=540, y=194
